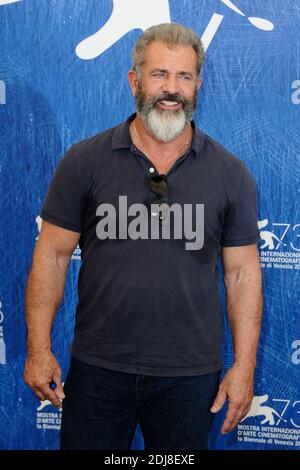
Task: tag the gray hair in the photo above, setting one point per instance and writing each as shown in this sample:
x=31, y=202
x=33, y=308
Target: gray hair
x=172, y=34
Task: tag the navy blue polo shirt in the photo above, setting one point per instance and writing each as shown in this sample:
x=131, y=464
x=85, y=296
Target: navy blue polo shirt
x=150, y=306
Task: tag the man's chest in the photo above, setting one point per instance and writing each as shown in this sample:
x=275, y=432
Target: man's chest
x=119, y=200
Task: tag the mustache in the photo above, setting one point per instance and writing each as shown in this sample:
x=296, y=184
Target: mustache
x=146, y=105
x=171, y=97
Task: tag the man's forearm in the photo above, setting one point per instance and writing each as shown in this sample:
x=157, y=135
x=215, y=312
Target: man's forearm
x=244, y=307
x=44, y=293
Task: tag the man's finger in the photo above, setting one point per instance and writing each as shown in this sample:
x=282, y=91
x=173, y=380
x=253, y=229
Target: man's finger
x=219, y=401
x=39, y=395
x=229, y=425
x=59, y=388
x=233, y=417
x=50, y=395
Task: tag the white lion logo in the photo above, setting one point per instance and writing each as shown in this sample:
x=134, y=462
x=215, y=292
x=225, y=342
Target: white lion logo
x=45, y=403
x=267, y=237
x=257, y=409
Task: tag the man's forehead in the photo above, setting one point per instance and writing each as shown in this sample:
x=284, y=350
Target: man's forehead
x=158, y=50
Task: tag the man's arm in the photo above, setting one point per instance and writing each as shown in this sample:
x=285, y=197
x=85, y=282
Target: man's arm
x=243, y=282
x=45, y=289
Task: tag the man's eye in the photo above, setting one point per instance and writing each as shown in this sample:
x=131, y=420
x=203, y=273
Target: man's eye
x=159, y=75
x=186, y=78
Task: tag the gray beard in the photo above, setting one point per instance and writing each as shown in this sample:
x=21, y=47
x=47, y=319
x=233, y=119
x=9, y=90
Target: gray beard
x=165, y=125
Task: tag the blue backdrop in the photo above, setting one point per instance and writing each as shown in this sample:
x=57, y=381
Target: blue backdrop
x=63, y=66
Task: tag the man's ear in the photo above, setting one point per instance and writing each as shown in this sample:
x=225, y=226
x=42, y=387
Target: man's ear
x=133, y=81
x=199, y=83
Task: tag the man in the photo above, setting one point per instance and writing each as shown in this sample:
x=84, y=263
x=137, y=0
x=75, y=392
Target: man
x=148, y=327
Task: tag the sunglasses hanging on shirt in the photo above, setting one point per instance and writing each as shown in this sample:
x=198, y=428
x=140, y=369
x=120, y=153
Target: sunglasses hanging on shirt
x=159, y=207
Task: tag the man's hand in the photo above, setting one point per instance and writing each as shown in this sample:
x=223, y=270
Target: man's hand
x=41, y=369
x=237, y=387
x=44, y=293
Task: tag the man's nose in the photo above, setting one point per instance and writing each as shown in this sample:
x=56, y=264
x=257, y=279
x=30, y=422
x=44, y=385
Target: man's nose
x=170, y=84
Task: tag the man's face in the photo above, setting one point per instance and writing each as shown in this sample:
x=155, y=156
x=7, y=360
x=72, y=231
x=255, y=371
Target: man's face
x=166, y=94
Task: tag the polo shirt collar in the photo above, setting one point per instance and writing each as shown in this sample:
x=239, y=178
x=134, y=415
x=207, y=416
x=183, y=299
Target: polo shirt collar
x=122, y=139
x=121, y=136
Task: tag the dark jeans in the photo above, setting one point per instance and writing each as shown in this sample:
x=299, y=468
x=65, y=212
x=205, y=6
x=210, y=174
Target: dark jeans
x=102, y=408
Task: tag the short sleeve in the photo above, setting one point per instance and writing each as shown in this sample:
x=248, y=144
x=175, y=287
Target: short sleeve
x=64, y=202
x=240, y=225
